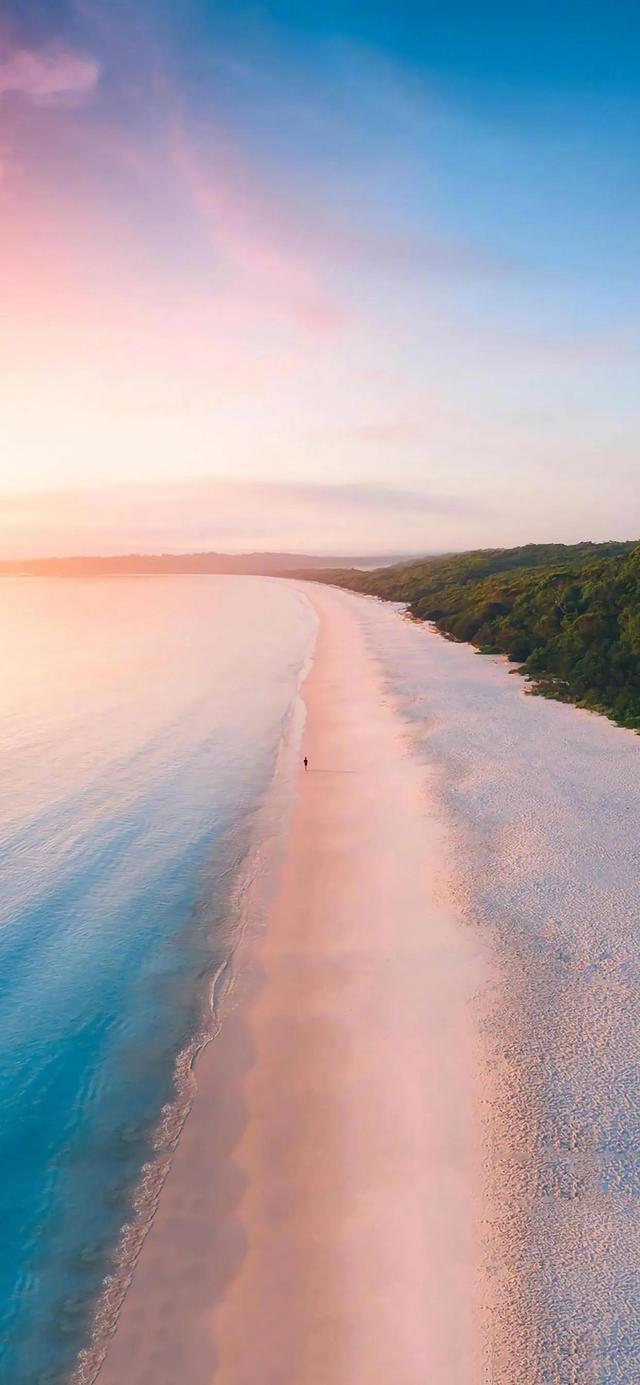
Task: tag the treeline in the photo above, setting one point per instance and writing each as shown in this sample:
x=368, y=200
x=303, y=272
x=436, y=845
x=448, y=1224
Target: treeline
x=569, y=615
x=173, y=564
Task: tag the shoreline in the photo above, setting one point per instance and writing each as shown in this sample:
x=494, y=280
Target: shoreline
x=247, y=904
x=319, y=1221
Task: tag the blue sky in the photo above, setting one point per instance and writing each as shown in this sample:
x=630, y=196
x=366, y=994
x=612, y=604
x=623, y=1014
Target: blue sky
x=390, y=248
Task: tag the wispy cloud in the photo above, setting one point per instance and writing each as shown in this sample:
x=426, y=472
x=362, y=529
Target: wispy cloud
x=403, y=251
x=46, y=75
x=577, y=348
x=231, y=515
x=378, y=499
x=386, y=434
x=237, y=222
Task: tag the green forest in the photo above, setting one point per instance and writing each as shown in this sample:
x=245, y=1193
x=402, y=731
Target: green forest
x=568, y=615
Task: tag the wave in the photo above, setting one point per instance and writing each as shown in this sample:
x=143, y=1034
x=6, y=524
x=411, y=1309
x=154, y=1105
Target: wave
x=252, y=881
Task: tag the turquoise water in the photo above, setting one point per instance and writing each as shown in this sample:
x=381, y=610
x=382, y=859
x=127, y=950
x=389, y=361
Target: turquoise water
x=142, y=722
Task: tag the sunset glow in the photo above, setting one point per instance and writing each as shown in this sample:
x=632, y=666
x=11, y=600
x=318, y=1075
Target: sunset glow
x=252, y=256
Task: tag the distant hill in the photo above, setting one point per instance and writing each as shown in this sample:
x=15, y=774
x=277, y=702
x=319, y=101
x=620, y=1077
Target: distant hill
x=156, y=564
x=569, y=614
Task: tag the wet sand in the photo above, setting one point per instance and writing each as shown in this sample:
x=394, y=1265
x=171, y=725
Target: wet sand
x=319, y=1225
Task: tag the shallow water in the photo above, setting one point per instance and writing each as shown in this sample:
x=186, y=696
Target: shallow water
x=543, y=805
x=141, y=722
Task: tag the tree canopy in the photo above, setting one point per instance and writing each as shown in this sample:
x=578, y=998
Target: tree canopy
x=569, y=615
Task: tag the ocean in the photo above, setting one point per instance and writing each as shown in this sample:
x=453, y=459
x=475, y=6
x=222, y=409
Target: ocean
x=150, y=731
x=144, y=725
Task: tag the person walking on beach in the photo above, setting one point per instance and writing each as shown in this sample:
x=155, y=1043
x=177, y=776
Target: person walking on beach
x=305, y=762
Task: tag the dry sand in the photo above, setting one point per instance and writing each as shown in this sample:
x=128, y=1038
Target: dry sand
x=318, y=1225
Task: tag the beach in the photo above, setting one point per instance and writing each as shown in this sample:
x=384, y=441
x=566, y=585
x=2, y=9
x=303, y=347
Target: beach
x=320, y=1221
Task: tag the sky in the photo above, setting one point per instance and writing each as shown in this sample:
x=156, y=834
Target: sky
x=336, y=277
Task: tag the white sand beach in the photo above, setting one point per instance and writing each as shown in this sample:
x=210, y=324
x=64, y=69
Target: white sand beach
x=319, y=1225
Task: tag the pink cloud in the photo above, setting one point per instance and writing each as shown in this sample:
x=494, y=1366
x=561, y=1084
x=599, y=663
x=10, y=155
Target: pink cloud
x=238, y=224
x=230, y=516
x=46, y=75
x=387, y=433
x=411, y=252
